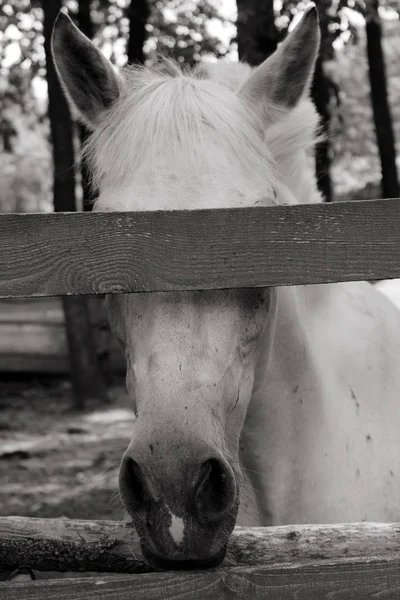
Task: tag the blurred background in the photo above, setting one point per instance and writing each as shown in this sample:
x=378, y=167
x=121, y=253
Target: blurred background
x=64, y=416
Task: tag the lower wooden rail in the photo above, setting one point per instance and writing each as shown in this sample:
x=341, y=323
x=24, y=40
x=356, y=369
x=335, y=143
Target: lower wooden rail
x=303, y=562
x=342, y=579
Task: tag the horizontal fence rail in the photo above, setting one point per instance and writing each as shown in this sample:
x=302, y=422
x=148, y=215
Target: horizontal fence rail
x=95, y=253
x=113, y=546
x=343, y=579
x=299, y=562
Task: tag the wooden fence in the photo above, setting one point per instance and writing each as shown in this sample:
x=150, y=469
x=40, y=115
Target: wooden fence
x=56, y=254
x=89, y=253
x=33, y=337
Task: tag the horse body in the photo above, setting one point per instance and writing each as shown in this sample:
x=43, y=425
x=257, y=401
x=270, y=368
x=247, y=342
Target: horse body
x=321, y=438
x=261, y=406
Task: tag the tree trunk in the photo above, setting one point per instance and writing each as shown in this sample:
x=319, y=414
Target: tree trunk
x=323, y=90
x=98, y=316
x=321, y=95
x=258, y=38
x=87, y=379
x=257, y=35
x=138, y=13
x=8, y=133
x=380, y=104
x=85, y=24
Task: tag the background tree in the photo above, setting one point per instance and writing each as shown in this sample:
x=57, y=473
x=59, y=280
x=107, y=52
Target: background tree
x=28, y=184
x=138, y=14
x=258, y=37
x=25, y=157
x=136, y=31
x=97, y=313
x=14, y=79
x=356, y=170
x=324, y=92
x=380, y=104
x=257, y=33
x=87, y=380
x=85, y=24
x=179, y=29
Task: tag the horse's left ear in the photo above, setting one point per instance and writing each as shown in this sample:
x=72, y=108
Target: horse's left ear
x=285, y=77
x=90, y=82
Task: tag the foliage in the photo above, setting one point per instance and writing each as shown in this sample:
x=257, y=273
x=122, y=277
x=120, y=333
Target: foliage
x=181, y=30
x=25, y=174
x=178, y=28
x=356, y=162
x=25, y=161
x=356, y=156
x=21, y=51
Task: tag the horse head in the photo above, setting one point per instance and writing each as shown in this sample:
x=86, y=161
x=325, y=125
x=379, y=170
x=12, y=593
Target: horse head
x=164, y=139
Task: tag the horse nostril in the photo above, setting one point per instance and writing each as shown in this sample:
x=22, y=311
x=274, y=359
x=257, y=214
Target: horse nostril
x=214, y=492
x=132, y=484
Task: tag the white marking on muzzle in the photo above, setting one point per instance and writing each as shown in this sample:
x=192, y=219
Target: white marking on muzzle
x=177, y=529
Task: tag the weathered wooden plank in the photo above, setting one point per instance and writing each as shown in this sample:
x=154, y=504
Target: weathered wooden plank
x=42, y=347
x=343, y=579
x=30, y=363
x=34, y=310
x=86, y=253
x=111, y=546
x=56, y=364
x=33, y=337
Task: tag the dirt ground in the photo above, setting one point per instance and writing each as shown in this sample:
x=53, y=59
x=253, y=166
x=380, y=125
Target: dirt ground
x=57, y=462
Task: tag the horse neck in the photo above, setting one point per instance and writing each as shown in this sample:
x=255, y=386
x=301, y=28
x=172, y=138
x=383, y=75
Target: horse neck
x=270, y=439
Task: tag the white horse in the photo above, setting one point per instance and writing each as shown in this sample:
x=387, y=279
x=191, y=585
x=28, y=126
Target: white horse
x=256, y=407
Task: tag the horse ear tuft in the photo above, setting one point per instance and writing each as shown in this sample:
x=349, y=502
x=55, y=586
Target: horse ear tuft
x=88, y=79
x=284, y=78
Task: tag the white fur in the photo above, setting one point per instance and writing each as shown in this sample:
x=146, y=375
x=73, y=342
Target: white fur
x=391, y=289
x=290, y=140
x=180, y=141
x=177, y=529
x=320, y=439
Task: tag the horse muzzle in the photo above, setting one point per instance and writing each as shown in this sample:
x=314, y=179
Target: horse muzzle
x=183, y=514
x=168, y=564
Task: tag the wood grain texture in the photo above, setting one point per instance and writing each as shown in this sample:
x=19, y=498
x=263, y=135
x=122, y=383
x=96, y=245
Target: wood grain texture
x=343, y=579
x=111, y=546
x=89, y=253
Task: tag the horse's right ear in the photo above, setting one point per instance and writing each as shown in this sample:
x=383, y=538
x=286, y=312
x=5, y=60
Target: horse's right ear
x=284, y=78
x=90, y=83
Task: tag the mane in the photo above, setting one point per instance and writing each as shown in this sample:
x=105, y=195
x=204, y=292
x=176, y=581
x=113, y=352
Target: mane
x=168, y=121
x=291, y=140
